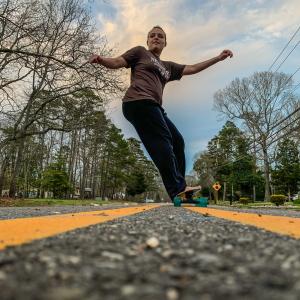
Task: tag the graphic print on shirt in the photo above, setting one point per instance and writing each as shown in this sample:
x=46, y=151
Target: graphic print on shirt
x=162, y=70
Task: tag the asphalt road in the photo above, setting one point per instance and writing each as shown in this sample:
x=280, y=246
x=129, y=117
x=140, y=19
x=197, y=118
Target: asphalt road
x=27, y=212
x=164, y=253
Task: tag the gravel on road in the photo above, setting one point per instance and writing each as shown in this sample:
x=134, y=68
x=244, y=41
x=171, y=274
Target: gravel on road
x=166, y=253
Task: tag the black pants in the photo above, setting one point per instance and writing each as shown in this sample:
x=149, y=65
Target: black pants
x=161, y=139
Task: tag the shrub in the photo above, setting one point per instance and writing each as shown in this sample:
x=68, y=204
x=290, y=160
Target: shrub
x=244, y=200
x=237, y=196
x=296, y=201
x=278, y=199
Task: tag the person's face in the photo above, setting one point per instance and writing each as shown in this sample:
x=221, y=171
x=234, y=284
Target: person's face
x=156, y=40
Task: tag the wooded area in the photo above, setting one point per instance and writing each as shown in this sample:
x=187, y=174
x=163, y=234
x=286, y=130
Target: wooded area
x=54, y=134
x=260, y=155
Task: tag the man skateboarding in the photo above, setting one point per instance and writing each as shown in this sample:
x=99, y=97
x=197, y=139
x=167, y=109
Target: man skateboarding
x=142, y=104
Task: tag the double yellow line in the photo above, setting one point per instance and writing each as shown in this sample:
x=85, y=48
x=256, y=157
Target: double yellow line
x=24, y=230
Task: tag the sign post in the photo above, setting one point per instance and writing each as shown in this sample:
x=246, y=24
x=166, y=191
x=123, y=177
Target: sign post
x=217, y=186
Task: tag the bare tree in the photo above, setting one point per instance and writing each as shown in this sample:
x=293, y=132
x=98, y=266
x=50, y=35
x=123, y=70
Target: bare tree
x=261, y=102
x=44, y=70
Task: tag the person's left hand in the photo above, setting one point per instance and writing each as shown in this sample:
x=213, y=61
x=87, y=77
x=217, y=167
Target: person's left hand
x=94, y=59
x=225, y=53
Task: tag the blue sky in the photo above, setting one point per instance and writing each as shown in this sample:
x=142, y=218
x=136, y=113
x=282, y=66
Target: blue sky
x=256, y=31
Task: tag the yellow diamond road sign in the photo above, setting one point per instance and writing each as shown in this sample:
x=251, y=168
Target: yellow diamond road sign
x=217, y=186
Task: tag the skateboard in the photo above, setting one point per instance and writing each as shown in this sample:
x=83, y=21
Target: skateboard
x=192, y=196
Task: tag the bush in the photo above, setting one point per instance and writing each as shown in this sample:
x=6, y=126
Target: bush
x=278, y=199
x=237, y=196
x=296, y=202
x=244, y=200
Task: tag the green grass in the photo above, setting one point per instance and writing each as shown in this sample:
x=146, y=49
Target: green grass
x=54, y=202
x=261, y=204
x=238, y=204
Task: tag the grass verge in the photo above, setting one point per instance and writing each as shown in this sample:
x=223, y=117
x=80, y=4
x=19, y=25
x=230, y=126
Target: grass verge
x=54, y=202
x=262, y=204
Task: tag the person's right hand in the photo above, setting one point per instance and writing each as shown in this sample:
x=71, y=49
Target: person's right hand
x=224, y=54
x=94, y=59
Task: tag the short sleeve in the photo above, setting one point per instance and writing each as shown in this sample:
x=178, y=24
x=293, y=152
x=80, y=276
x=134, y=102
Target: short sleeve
x=132, y=55
x=176, y=70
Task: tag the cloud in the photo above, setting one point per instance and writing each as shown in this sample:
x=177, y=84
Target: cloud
x=199, y=30
x=196, y=30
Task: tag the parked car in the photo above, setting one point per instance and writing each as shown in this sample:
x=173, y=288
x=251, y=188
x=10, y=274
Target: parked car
x=295, y=197
x=149, y=200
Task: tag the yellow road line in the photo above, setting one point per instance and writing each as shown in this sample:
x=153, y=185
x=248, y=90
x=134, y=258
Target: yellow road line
x=23, y=230
x=279, y=224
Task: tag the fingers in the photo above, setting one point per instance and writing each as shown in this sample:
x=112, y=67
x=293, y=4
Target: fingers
x=228, y=53
x=93, y=59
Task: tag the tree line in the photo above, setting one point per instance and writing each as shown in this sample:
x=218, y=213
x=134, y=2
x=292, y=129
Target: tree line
x=94, y=160
x=256, y=153
x=54, y=134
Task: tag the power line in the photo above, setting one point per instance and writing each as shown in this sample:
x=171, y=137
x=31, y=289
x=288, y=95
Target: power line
x=287, y=117
x=285, y=134
x=252, y=92
x=282, y=128
x=287, y=56
x=268, y=144
x=296, y=87
x=273, y=134
x=284, y=48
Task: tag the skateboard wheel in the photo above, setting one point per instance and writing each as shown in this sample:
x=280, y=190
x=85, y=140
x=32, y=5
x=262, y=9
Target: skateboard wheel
x=177, y=202
x=201, y=202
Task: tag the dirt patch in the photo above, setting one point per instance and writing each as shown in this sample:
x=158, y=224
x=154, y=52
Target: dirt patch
x=10, y=202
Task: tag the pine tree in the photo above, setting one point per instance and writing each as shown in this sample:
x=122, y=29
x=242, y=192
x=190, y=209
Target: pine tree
x=55, y=179
x=286, y=174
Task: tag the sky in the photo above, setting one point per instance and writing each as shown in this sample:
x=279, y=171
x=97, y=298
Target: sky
x=255, y=31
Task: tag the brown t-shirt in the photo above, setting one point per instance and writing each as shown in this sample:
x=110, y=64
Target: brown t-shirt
x=149, y=74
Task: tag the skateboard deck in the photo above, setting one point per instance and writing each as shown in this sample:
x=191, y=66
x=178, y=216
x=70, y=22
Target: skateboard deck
x=192, y=195
x=189, y=193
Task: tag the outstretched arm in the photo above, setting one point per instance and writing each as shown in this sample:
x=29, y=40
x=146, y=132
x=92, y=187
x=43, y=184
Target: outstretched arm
x=196, y=68
x=108, y=62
